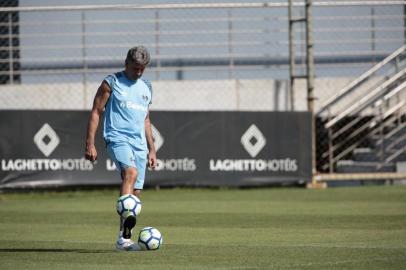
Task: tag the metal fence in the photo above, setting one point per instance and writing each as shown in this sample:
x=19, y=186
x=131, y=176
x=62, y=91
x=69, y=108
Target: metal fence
x=196, y=41
x=205, y=56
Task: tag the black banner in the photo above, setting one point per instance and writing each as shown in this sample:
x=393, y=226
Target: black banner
x=45, y=148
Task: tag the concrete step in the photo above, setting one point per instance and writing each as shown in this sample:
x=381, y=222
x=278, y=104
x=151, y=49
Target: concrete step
x=364, y=154
x=396, y=140
x=350, y=166
x=393, y=142
x=374, y=155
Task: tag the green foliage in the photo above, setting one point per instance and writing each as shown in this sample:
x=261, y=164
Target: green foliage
x=342, y=228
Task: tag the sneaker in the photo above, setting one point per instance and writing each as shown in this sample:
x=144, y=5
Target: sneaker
x=128, y=225
x=127, y=245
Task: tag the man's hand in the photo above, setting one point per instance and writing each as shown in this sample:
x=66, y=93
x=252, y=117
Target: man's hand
x=152, y=159
x=91, y=153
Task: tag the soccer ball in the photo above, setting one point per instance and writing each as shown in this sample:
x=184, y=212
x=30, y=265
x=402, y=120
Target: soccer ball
x=128, y=205
x=149, y=239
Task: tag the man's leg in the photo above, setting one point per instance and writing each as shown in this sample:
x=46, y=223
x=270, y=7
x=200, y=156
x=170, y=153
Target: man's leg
x=133, y=186
x=128, y=175
x=121, y=154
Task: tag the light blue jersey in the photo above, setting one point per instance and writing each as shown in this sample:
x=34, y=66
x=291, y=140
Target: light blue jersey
x=126, y=110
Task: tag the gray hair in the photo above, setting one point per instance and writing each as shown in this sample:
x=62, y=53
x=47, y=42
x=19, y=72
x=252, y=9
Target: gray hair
x=138, y=55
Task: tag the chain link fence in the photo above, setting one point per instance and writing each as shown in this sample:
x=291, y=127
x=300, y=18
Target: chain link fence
x=210, y=56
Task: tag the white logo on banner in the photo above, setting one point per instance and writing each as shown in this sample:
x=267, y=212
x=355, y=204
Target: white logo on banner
x=46, y=131
x=253, y=140
x=46, y=140
x=171, y=164
x=158, y=139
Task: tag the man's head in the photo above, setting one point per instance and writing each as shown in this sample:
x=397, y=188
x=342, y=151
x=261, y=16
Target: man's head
x=138, y=55
x=137, y=59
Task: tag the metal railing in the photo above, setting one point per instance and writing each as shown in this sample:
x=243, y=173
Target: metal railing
x=379, y=112
x=392, y=59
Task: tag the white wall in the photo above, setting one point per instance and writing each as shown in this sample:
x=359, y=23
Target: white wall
x=249, y=95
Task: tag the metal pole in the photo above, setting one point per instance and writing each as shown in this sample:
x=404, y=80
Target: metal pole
x=10, y=48
x=330, y=146
x=127, y=7
x=398, y=98
x=230, y=45
x=373, y=34
x=85, y=67
x=157, y=33
x=291, y=57
x=404, y=22
x=382, y=136
x=310, y=78
x=309, y=57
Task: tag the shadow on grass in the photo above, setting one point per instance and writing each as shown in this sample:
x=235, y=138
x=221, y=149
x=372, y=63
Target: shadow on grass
x=53, y=250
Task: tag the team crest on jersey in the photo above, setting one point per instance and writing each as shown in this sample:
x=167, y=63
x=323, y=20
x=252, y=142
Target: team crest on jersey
x=145, y=98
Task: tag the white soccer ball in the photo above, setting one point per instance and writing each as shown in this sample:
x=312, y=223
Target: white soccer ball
x=128, y=205
x=149, y=238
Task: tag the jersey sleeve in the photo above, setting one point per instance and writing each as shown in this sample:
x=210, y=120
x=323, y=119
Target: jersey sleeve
x=110, y=80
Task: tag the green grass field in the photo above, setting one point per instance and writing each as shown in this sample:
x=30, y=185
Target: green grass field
x=341, y=228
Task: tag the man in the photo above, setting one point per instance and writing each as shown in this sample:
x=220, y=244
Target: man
x=125, y=98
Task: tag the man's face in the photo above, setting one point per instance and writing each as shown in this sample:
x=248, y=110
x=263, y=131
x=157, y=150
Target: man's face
x=133, y=70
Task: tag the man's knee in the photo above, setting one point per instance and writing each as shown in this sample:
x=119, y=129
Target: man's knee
x=130, y=174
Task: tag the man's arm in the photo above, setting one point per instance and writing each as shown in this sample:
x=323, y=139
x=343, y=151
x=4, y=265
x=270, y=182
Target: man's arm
x=100, y=100
x=150, y=142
